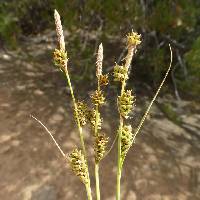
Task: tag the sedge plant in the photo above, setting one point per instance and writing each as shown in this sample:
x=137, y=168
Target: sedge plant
x=91, y=115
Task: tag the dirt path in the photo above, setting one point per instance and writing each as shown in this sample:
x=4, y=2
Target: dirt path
x=164, y=164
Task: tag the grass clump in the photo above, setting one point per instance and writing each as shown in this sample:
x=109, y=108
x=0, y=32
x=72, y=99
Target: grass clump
x=83, y=114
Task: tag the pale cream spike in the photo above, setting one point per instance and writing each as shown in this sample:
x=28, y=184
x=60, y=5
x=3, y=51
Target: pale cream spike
x=59, y=31
x=99, y=61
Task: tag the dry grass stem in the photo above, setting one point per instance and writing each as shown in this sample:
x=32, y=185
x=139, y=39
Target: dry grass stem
x=155, y=96
x=57, y=145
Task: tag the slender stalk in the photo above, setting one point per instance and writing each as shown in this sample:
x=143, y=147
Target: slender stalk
x=75, y=108
x=89, y=192
x=155, y=96
x=128, y=59
x=99, y=62
x=61, y=42
x=57, y=145
x=97, y=181
x=98, y=195
x=88, y=187
x=64, y=68
x=119, y=161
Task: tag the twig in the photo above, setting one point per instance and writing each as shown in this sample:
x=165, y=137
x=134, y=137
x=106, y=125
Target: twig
x=57, y=145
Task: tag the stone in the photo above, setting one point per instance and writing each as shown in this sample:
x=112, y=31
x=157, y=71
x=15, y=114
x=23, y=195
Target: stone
x=44, y=193
x=141, y=184
x=131, y=196
x=154, y=197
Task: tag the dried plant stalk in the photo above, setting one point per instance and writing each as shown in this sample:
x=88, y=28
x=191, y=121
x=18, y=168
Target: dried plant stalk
x=47, y=130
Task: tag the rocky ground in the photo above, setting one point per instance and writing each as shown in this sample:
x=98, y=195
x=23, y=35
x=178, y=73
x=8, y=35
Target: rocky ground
x=164, y=163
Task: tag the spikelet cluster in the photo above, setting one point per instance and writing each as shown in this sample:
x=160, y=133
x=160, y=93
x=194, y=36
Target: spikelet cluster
x=120, y=73
x=81, y=113
x=100, y=147
x=78, y=165
x=125, y=102
x=126, y=139
x=60, y=58
x=133, y=39
x=91, y=116
x=98, y=98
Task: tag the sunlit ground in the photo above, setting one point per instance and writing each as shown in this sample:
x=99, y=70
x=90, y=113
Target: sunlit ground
x=164, y=163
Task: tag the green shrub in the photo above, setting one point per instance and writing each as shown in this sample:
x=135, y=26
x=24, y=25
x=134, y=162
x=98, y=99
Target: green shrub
x=160, y=22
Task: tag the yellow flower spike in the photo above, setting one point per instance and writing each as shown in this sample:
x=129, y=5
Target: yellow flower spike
x=78, y=165
x=133, y=39
x=98, y=97
x=91, y=116
x=81, y=114
x=126, y=103
x=100, y=147
x=120, y=73
x=126, y=140
x=60, y=58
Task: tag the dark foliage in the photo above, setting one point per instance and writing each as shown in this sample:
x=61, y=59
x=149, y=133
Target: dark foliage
x=159, y=21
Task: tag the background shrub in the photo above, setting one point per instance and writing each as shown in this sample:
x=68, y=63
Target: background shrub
x=159, y=21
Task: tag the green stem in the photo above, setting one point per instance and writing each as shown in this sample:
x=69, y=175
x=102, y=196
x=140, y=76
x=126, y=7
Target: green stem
x=75, y=108
x=98, y=196
x=119, y=160
x=97, y=181
x=96, y=164
x=89, y=192
x=96, y=121
x=128, y=60
x=88, y=187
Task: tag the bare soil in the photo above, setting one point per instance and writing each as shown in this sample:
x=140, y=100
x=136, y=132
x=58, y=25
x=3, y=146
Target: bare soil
x=164, y=163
